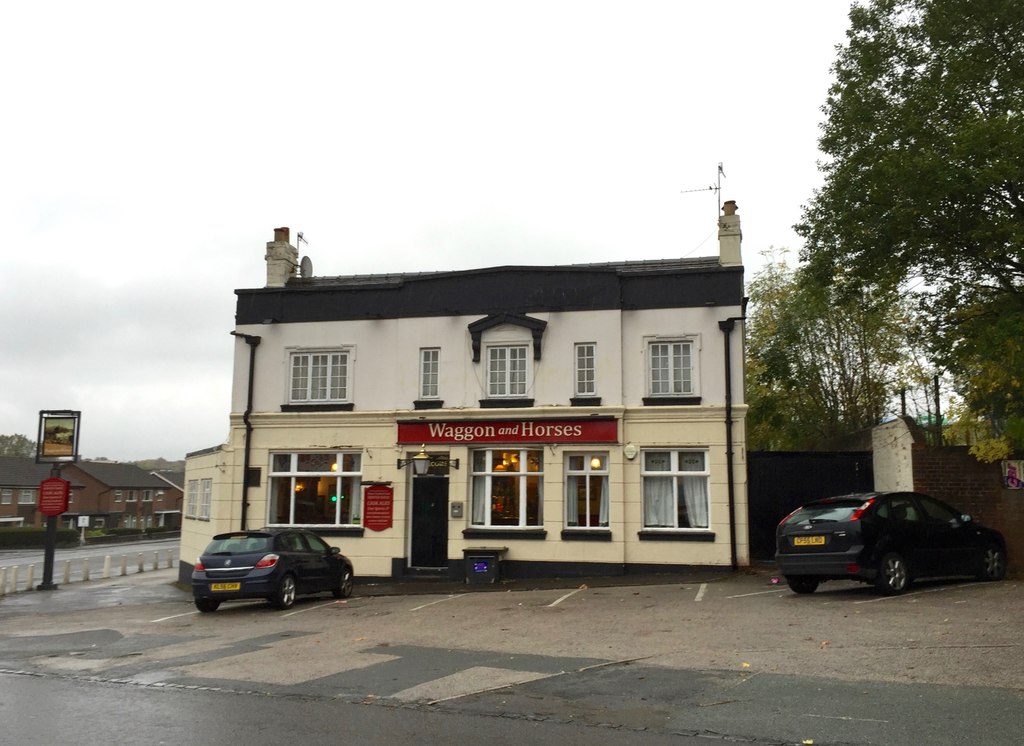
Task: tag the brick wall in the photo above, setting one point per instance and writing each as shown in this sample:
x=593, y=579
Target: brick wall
x=953, y=475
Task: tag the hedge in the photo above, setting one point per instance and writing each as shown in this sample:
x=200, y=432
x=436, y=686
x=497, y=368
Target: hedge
x=31, y=537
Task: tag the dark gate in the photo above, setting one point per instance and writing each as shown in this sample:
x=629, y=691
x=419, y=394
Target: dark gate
x=778, y=482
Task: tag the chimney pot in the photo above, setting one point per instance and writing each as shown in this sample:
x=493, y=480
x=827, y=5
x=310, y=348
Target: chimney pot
x=729, y=208
x=281, y=234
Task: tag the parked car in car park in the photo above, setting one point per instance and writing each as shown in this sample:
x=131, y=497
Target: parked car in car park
x=885, y=538
x=277, y=564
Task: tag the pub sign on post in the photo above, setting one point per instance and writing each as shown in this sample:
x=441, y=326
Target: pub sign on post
x=58, y=437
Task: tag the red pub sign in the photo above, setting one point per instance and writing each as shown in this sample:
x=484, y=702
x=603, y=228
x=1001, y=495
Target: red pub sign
x=565, y=430
x=53, y=496
x=378, y=507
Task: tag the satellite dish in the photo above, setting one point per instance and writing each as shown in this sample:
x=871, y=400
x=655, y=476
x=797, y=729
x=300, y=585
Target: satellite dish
x=305, y=267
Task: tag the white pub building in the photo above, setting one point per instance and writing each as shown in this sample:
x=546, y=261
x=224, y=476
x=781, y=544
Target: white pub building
x=514, y=421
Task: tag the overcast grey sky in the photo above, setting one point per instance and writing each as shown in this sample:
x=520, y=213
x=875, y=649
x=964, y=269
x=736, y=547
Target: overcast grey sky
x=149, y=151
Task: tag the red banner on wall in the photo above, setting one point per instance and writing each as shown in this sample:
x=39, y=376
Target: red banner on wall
x=378, y=507
x=581, y=430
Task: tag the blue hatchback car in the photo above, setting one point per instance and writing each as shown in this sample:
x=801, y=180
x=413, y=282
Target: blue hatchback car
x=277, y=564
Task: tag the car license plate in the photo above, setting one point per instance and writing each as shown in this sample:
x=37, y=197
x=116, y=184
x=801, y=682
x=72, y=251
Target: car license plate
x=808, y=541
x=225, y=586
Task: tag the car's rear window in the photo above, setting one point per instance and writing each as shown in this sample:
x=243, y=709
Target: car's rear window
x=238, y=544
x=841, y=510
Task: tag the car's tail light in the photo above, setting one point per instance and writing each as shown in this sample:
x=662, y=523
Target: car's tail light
x=269, y=560
x=199, y=567
x=790, y=516
x=855, y=516
x=852, y=569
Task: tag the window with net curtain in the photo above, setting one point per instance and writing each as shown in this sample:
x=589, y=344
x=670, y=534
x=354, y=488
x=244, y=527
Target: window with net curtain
x=507, y=487
x=675, y=489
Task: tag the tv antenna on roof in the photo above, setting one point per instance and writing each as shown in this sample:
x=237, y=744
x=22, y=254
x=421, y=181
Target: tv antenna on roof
x=306, y=265
x=716, y=188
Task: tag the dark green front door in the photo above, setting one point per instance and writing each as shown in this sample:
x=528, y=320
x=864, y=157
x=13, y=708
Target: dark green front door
x=429, y=522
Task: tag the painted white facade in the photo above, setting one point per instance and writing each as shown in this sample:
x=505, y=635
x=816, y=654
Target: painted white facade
x=383, y=383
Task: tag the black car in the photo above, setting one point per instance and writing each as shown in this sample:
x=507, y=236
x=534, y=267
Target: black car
x=273, y=563
x=884, y=538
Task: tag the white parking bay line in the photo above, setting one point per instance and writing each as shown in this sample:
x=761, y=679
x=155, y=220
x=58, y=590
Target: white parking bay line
x=567, y=595
x=438, y=601
x=173, y=616
x=760, y=593
x=700, y=592
x=475, y=680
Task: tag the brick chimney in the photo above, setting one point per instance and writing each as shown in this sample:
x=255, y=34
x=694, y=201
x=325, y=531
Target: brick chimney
x=729, y=236
x=282, y=259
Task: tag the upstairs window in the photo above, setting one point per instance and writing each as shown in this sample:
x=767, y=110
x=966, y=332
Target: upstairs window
x=586, y=354
x=670, y=368
x=27, y=497
x=319, y=377
x=506, y=371
x=430, y=362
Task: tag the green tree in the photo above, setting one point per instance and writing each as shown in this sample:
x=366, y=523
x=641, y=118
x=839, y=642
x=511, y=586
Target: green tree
x=821, y=363
x=17, y=445
x=924, y=181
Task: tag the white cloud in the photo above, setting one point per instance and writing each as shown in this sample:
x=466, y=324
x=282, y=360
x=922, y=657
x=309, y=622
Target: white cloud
x=150, y=151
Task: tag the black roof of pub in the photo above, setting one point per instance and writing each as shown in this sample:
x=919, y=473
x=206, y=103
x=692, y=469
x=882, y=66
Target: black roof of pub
x=664, y=283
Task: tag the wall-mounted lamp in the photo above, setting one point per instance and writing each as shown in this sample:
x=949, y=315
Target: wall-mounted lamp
x=422, y=462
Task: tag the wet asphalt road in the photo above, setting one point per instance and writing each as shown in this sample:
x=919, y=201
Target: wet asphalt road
x=733, y=658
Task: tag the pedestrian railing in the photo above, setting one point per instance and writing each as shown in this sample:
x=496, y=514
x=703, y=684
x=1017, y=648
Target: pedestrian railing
x=12, y=580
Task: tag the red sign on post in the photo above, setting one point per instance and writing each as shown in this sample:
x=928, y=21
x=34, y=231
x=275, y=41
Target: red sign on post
x=53, y=496
x=378, y=507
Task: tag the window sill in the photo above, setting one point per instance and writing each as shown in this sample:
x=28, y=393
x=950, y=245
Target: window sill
x=586, y=534
x=533, y=534
x=505, y=403
x=428, y=404
x=585, y=401
x=333, y=407
x=671, y=401
x=675, y=535
x=340, y=531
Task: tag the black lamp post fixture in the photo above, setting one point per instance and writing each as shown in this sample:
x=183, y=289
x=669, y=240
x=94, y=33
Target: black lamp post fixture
x=422, y=462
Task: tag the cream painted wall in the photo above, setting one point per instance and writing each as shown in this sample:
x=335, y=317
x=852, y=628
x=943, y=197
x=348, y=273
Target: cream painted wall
x=385, y=384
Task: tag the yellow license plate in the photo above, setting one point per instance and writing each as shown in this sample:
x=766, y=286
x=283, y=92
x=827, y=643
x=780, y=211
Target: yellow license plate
x=808, y=541
x=225, y=586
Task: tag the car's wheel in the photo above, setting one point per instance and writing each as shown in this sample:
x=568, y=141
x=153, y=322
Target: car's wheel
x=993, y=563
x=285, y=595
x=344, y=589
x=893, y=574
x=207, y=604
x=802, y=583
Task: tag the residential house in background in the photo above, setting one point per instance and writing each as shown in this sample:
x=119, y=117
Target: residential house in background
x=19, y=491
x=556, y=420
x=122, y=496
